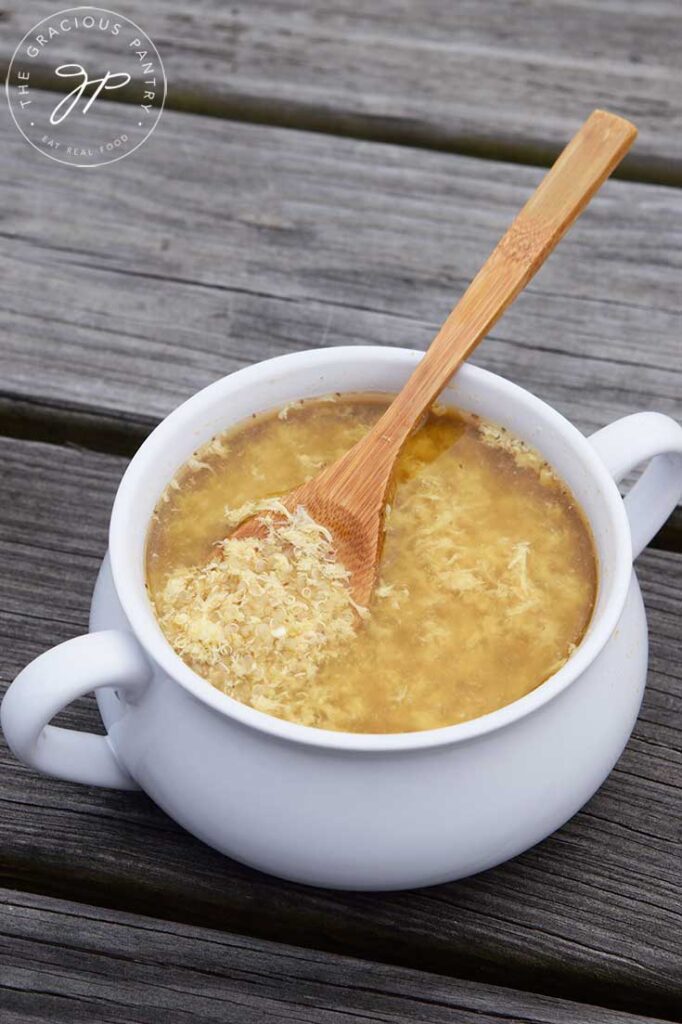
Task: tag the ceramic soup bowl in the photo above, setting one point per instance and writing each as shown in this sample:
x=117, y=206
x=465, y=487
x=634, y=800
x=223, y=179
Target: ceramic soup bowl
x=339, y=809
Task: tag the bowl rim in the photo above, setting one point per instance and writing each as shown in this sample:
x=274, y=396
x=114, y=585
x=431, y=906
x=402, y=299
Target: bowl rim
x=142, y=621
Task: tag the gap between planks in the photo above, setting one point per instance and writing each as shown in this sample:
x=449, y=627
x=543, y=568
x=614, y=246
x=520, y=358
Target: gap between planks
x=308, y=117
x=54, y=952
x=111, y=435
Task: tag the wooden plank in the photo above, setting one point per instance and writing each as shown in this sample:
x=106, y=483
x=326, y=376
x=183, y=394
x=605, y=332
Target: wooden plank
x=125, y=289
x=590, y=914
x=59, y=960
x=509, y=77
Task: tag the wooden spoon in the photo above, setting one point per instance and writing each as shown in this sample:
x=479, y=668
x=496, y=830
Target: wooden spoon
x=349, y=496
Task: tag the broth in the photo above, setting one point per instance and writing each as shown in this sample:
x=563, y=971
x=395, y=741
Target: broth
x=487, y=581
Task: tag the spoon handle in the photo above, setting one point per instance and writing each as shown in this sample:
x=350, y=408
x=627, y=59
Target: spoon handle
x=564, y=192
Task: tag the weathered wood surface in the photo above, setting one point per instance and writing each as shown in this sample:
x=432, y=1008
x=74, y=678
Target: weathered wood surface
x=63, y=961
x=591, y=914
x=125, y=289
x=510, y=77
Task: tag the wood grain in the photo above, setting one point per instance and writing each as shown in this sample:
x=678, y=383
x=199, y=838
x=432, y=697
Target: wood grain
x=505, y=78
x=591, y=914
x=63, y=961
x=125, y=289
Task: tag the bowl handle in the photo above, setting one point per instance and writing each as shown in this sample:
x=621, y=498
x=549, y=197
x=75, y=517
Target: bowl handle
x=623, y=446
x=53, y=680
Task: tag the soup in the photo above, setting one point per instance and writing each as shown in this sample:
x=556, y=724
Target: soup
x=487, y=580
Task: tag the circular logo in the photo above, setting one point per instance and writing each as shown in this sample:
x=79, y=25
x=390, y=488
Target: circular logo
x=86, y=86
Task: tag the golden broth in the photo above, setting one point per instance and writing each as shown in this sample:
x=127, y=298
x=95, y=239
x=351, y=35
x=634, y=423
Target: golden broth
x=488, y=576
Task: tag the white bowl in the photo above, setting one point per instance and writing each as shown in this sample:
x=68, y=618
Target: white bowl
x=340, y=809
